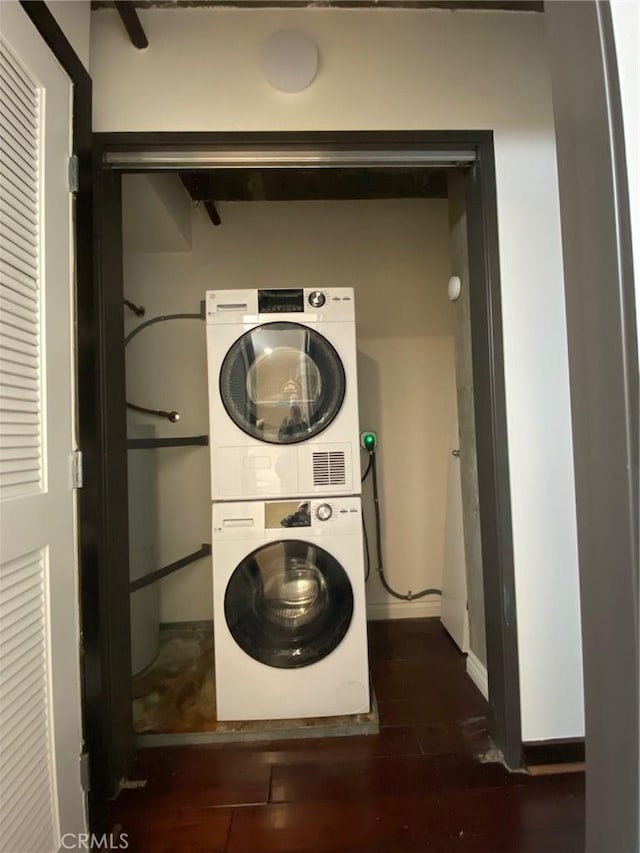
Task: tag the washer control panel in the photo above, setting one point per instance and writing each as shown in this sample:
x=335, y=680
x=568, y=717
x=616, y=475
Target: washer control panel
x=324, y=512
x=333, y=514
x=284, y=519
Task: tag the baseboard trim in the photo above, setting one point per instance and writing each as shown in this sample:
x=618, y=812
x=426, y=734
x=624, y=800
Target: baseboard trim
x=477, y=672
x=403, y=609
x=561, y=751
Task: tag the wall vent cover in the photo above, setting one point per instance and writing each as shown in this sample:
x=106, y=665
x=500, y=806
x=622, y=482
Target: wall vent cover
x=329, y=468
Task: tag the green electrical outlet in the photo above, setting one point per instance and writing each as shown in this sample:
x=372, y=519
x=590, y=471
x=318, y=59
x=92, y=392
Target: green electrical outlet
x=369, y=440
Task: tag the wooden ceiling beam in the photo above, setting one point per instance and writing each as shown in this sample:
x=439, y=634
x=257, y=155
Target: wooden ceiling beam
x=480, y=5
x=198, y=185
x=132, y=24
x=212, y=210
x=308, y=184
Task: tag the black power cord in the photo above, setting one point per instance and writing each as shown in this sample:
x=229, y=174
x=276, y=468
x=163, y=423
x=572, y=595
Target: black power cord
x=364, y=525
x=409, y=596
x=368, y=468
x=172, y=416
x=366, y=550
x=162, y=318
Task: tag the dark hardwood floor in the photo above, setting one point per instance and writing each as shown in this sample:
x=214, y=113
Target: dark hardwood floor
x=420, y=785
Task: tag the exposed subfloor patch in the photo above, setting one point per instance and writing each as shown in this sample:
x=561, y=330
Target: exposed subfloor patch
x=174, y=700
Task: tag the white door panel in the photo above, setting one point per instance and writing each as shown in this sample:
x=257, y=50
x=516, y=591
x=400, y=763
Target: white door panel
x=454, y=614
x=40, y=721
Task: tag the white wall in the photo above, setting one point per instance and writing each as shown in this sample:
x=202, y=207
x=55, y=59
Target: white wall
x=156, y=214
x=73, y=17
x=395, y=255
x=406, y=69
x=626, y=28
x=166, y=369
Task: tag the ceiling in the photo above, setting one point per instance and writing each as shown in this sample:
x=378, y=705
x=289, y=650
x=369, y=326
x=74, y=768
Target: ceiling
x=127, y=9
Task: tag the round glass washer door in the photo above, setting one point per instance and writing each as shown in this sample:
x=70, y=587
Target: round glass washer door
x=288, y=604
x=282, y=383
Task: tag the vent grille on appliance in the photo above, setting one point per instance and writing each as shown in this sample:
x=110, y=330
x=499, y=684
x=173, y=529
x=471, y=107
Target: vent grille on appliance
x=329, y=468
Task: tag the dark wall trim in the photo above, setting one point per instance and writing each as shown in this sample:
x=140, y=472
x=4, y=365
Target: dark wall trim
x=486, y=321
x=57, y=42
x=569, y=751
x=492, y=456
x=110, y=637
x=405, y=140
x=603, y=372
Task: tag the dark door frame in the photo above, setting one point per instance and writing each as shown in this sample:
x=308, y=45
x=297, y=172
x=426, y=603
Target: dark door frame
x=490, y=414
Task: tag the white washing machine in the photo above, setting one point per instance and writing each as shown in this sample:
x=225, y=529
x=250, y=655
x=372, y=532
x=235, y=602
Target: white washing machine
x=289, y=609
x=283, y=395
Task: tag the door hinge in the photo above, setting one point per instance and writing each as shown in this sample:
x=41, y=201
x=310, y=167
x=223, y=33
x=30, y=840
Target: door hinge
x=74, y=174
x=76, y=469
x=84, y=772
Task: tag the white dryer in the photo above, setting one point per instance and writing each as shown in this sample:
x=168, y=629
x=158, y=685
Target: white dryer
x=289, y=609
x=283, y=395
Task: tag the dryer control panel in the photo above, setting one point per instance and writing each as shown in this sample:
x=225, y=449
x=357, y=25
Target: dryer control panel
x=298, y=304
x=284, y=519
x=280, y=301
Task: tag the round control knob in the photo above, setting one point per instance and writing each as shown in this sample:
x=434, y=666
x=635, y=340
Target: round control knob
x=317, y=299
x=324, y=512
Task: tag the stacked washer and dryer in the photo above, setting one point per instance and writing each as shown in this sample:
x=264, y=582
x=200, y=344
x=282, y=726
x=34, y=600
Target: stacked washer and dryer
x=288, y=569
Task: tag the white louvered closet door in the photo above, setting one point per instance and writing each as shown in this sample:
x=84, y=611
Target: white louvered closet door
x=40, y=724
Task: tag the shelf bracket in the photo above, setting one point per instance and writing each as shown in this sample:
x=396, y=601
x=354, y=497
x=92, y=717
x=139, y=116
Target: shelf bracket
x=179, y=441
x=153, y=577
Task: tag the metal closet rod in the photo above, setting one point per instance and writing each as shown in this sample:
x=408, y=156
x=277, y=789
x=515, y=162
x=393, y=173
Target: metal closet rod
x=257, y=158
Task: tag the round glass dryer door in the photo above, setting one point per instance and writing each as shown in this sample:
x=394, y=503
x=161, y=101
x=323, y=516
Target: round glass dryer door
x=282, y=383
x=288, y=604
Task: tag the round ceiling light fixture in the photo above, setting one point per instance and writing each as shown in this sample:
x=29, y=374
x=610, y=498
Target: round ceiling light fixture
x=290, y=60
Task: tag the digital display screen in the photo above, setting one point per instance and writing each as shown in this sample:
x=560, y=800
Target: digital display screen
x=287, y=514
x=280, y=301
